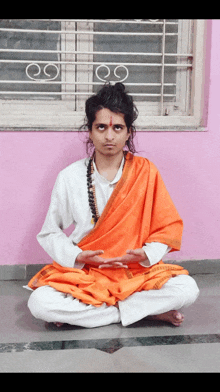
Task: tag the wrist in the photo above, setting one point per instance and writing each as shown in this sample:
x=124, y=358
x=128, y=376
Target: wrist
x=78, y=258
x=145, y=262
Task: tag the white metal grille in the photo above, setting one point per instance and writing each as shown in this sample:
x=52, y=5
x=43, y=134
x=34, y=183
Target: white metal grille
x=57, y=59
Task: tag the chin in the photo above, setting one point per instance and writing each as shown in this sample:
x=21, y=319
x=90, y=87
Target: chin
x=109, y=152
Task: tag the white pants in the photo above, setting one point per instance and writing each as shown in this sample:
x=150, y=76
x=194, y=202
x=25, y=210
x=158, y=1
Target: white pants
x=51, y=305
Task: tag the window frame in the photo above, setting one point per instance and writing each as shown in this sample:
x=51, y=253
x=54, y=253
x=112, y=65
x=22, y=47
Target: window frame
x=34, y=115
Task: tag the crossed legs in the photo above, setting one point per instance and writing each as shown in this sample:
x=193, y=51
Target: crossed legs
x=53, y=306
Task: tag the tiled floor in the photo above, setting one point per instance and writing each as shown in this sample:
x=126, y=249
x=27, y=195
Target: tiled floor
x=30, y=345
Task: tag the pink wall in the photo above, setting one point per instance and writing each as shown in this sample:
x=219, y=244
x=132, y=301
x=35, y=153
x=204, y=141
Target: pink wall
x=188, y=161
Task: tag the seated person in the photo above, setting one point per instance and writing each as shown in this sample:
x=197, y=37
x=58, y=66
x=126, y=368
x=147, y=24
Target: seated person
x=110, y=269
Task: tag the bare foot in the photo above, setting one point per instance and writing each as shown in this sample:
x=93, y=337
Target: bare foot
x=58, y=324
x=173, y=317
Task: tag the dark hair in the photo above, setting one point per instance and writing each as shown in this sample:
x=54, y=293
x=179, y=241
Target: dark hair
x=116, y=99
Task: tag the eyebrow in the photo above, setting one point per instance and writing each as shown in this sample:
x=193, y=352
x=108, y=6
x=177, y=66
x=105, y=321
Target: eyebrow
x=106, y=124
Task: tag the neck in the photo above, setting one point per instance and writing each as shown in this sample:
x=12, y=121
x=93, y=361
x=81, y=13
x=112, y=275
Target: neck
x=108, y=162
x=108, y=166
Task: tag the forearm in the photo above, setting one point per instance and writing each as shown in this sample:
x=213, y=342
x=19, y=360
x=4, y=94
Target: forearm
x=60, y=248
x=59, y=217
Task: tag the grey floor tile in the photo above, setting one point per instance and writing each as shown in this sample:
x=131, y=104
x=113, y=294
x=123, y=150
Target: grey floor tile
x=165, y=359
x=18, y=326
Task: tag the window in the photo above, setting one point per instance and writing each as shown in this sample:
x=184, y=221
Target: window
x=48, y=68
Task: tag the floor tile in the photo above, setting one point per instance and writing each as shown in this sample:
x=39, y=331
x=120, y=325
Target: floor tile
x=174, y=359
x=113, y=348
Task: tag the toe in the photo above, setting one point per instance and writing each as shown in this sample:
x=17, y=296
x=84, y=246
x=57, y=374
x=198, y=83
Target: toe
x=58, y=324
x=178, y=318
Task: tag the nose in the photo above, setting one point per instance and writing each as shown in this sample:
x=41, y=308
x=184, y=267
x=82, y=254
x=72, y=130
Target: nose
x=109, y=134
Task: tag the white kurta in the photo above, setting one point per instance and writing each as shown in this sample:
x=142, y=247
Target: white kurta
x=69, y=205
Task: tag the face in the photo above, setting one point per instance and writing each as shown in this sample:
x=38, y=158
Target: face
x=109, y=132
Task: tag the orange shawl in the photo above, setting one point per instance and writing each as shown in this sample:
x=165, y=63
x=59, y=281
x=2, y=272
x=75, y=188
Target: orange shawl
x=139, y=211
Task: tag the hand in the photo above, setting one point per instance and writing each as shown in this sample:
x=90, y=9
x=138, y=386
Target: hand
x=132, y=256
x=91, y=257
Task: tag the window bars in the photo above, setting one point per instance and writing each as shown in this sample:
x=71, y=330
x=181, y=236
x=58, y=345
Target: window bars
x=70, y=59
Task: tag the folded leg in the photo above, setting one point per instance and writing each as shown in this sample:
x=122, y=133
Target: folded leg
x=50, y=305
x=178, y=292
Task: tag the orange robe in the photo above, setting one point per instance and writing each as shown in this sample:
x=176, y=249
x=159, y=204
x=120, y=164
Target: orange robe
x=139, y=211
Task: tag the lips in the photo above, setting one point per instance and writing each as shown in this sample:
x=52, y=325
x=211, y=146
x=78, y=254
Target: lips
x=109, y=145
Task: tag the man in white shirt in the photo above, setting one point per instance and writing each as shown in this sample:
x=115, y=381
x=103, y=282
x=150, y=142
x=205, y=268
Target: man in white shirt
x=80, y=196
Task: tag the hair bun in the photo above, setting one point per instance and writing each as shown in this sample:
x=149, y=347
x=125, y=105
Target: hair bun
x=119, y=87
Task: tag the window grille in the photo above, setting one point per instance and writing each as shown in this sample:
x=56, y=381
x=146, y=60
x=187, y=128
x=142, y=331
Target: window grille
x=65, y=61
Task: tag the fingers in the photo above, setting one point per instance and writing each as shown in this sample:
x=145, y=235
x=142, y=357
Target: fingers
x=92, y=253
x=98, y=252
x=114, y=265
x=90, y=256
x=98, y=259
x=132, y=251
x=113, y=260
x=105, y=266
x=94, y=257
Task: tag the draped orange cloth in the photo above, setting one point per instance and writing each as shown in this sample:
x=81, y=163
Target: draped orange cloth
x=139, y=211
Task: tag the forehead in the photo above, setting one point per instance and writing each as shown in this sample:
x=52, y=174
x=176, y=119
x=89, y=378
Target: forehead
x=106, y=116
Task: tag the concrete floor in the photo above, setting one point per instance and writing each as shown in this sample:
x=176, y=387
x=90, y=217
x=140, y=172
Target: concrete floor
x=30, y=345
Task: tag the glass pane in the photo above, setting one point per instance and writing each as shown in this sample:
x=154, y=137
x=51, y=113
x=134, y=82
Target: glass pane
x=35, y=69
x=141, y=79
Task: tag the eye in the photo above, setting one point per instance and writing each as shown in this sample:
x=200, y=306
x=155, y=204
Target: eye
x=118, y=128
x=101, y=127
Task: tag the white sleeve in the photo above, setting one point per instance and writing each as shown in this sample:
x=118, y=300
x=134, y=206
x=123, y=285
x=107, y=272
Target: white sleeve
x=155, y=251
x=59, y=217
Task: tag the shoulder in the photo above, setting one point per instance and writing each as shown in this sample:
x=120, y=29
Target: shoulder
x=144, y=162
x=75, y=170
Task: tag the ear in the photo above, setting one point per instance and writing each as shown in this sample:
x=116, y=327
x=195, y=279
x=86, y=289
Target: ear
x=129, y=133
